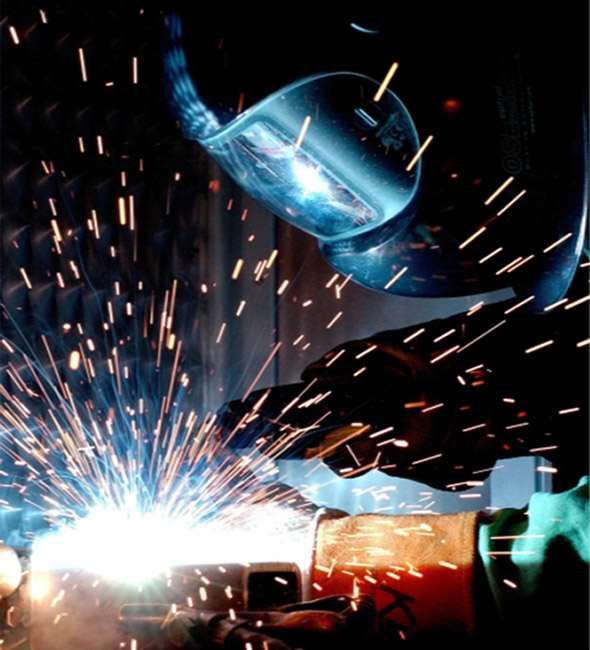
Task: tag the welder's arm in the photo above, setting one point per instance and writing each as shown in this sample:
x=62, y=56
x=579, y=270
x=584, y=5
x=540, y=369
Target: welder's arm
x=517, y=575
x=438, y=402
x=372, y=403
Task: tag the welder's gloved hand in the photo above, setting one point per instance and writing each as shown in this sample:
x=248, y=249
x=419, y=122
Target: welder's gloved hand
x=364, y=405
x=427, y=403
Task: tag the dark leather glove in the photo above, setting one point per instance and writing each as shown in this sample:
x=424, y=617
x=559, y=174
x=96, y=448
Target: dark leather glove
x=438, y=403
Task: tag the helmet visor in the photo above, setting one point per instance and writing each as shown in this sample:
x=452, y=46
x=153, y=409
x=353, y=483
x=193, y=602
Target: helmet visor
x=324, y=155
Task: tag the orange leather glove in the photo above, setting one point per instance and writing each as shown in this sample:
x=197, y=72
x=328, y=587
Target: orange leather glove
x=418, y=569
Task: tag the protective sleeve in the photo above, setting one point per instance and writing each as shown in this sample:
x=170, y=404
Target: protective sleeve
x=517, y=576
x=419, y=571
x=536, y=563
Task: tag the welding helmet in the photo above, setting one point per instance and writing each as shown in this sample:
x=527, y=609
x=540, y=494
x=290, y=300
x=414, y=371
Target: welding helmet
x=497, y=199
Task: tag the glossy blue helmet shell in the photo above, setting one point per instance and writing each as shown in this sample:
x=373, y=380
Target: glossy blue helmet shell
x=332, y=156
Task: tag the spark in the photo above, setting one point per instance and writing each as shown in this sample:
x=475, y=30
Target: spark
x=558, y=242
x=388, y=77
x=14, y=35
x=371, y=348
x=74, y=362
x=502, y=187
x=333, y=321
x=432, y=408
x=390, y=441
x=517, y=426
x=536, y=450
x=7, y=345
x=426, y=460
x=340, y=287
x=556, y=304
x=132, y=215
x=237, y=268
x=303, y=131
x=25, y=277
x=396, y=277
x=419, y=153
x=540, y=346
x=82, y=64
x=259, y=271
x=524, y=261
x=134, y=70
x=478, y=338
x=490, y=255
x=455, y=348
x=577, y=302
x=272, y=258
x=414, y=335
x=392, y=575
x=476, y=234
x=240, y=107
x=546, y=470
x=282, y=288
x=95, y=224
x=465, y=483
x=332, y=280
x=511, y=203
x=492, y=553
x=109, y=464
x=413, y=405
x=538, y=536
x=335, y=357
x=261, y=371
x=444, y=336
x=518, y=305
x=122, y=211
x=510, y=265
x=575, y=409
x=448, y=565
x=474, y=427
x=509, y=583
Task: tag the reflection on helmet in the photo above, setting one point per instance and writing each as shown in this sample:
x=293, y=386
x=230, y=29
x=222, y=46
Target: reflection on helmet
x=321, y=153
x=334, y=175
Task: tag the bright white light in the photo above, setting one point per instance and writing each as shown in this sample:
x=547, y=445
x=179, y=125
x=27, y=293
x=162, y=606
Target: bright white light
x=309, y=178
x=134, y=547
x=39, y=588
x=125, y=546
